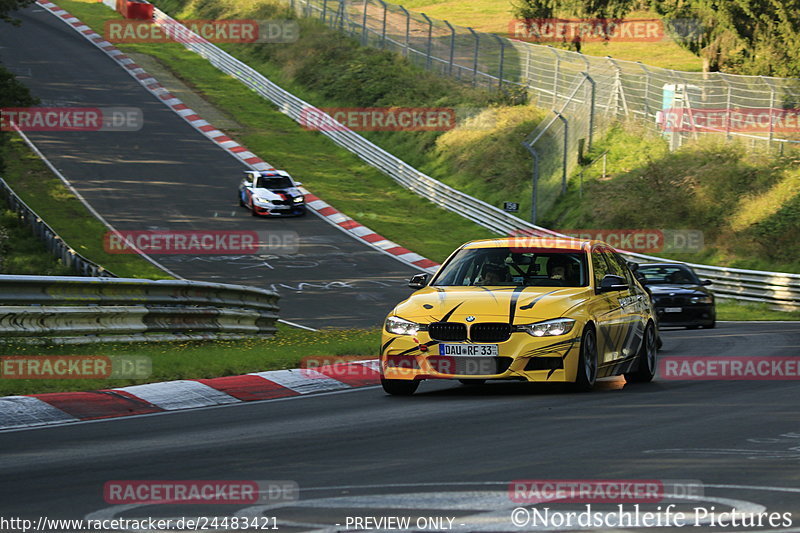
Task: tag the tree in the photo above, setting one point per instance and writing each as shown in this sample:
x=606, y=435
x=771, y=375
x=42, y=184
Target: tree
x=610, y=10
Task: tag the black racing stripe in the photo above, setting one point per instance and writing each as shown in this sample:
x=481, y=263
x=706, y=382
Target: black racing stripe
x=533, y=302
x=513, y=305
x=446, y=317
x=415, y=348
x=387, y=343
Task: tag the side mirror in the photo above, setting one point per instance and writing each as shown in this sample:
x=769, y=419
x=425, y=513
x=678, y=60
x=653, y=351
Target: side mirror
x=298, y=183
x=611, y=283
x=418, y=281
x=633, y=266
x=707, y=282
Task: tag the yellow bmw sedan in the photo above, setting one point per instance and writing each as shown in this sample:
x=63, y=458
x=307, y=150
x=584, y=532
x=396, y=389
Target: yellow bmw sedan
x=541, y=310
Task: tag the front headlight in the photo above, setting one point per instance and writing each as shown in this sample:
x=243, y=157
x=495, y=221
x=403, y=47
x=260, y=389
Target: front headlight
x=548, y=328
x=400, y=326
x=261, y=200
x=701, y=299
x=298, y=199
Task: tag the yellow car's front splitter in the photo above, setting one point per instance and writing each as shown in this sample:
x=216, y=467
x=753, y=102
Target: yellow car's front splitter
x=522, y=357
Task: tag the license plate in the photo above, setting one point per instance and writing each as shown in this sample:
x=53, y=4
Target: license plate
x=673, y=309
x=468, y=350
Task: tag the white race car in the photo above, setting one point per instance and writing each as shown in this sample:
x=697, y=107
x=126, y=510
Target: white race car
x=271, y=192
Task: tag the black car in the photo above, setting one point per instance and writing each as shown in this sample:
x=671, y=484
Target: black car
x=679, y=296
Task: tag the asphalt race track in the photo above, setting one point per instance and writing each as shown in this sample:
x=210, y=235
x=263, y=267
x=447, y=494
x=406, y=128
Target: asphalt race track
x=448, y=451
x=168, y=176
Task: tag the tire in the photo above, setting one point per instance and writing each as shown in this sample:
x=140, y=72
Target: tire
x=647, y=358
x=399, y=387
x=241, y=202
x=253, y=212
x=472, y=382
x=586, y=376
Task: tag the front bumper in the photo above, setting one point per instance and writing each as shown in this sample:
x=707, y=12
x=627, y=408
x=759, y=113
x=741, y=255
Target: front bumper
x=690, y=315
x=280, y=211
x=523, y=357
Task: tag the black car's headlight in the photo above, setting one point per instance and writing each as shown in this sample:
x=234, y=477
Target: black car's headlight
x=548, y=328
x=401, y=326
x=701, y=299
x=298, y=199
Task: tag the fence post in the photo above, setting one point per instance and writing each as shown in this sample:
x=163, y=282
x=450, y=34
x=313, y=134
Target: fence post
x=502, y=60
x=564, y=158
x=364, y=36
x=721, y=76
x=430, y=40
x=555, y=74
x=408, y=29
x=324, y=11
x=646, y=90
x=383, y=30
x=771, y=108
x=619, y=94
x=534, y=180
x=452, y=47
x=475, y=62
x=593, y=90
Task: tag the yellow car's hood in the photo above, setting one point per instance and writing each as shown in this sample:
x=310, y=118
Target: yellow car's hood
x=519, y=305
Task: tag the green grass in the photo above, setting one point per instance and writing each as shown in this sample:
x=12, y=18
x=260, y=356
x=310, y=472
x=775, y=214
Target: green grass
x=20, y=254
x=50, y=199
x=199, y=359
x=728, y=310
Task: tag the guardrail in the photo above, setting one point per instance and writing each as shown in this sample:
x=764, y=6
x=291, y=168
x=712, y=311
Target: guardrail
x=77, y=310
x=777, y=289
x=55, y=244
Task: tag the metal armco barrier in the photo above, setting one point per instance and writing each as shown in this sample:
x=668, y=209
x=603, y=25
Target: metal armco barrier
x=778, y=289
x=55, y=245
x=67, y=310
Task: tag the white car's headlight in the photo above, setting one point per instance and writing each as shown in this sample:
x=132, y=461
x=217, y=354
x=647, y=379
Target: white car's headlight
x=701, y=299
x=261, y=200
x=548, y=328
x=400, y=326
x=298, y=199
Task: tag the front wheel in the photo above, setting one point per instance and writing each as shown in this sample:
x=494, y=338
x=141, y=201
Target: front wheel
x=587, y=362
x=399, y=387
x=647, y=358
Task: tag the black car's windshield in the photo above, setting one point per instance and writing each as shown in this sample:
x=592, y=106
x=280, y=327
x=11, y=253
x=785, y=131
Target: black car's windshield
x=506, y=267
x=277, y=182
x=668, y=275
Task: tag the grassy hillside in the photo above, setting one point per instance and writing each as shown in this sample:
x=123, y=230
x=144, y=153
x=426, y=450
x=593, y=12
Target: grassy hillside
x=493, y=16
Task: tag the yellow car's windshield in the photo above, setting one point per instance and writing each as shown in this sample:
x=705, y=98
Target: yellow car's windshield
x=508, y=267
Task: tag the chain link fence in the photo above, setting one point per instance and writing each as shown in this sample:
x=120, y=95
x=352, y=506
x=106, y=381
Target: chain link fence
x=586, y=93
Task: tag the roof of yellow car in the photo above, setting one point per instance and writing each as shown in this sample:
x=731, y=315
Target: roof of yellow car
x=558, y=243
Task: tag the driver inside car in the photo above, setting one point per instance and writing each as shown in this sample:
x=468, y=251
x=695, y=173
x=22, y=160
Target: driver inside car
x=493, y=274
